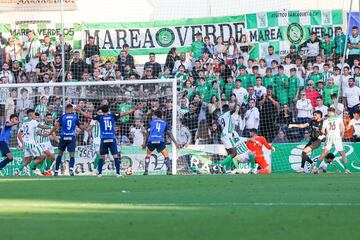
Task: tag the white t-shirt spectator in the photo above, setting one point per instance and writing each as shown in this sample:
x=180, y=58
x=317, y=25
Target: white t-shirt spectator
x=287, y=69
x=356, y=125
x=252, y=118
x=339, y=108
x=322, y=109
x=241, y=94
x=259, y=91
x=352, y=96
x=137, y=135
x=337, y=79
x=304, y=108
x=345, y=81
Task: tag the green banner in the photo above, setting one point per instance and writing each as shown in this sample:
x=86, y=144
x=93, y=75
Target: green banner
x=287, y=157
x=280, y=29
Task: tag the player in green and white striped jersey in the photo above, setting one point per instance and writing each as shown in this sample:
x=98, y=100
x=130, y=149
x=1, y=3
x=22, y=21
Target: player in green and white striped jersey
x=42, y=107
x=243, y=155
x=45, y=142
x=334, y=129
x=228, y=136
x=28, y=139
x=94, y=128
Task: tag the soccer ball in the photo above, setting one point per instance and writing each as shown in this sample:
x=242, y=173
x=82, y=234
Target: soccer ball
x=315, y=170
x=129, y=171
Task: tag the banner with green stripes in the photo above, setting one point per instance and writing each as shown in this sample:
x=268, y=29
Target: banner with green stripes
x=280, y=29
x=72, y=32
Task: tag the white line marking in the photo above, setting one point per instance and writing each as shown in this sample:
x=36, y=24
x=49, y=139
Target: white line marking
x=8, y=203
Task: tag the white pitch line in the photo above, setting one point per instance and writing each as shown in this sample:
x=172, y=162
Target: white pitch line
x=7, y=204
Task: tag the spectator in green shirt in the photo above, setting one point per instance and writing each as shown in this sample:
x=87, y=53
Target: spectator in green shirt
x=203, y=90
x=282, y=86
x=197, y=47
x=340, y=42
x=294, y=86
x=228, y=88
x=315, y=76
x=269, y=79
x=327, y=47
x=124, y=105
x=330, y=89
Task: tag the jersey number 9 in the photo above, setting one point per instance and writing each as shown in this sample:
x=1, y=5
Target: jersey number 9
x=68, y=124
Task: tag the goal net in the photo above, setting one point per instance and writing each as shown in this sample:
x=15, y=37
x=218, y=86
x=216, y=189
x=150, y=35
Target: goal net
x=120, y=96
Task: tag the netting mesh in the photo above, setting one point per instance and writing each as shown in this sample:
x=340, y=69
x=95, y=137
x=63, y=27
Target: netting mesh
x=272, y=67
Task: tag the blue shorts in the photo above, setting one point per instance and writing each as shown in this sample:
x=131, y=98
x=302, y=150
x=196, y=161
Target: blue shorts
x=4, y=148
x=158, y=146
x=68, y=142
x=106, y=144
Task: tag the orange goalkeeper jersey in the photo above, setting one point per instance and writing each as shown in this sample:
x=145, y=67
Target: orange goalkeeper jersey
x=256, y=148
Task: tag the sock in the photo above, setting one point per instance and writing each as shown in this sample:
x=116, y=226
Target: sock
x=4, y=163
x=57, y=162
x=168, y=163
x=147, y=163
x=117, y=165
x=32, y=165
x=40, y=166
x=100, y=165
x=305, y=158
x=236, y=163
x=96, y=161
x=264, y=171
x=252, y=161
x=48, y=164
x=21, y=167
x=72, y=163
x=227, y=162
x=347, y=165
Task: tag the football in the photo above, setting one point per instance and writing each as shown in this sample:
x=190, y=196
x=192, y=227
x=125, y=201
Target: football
x=128, y=171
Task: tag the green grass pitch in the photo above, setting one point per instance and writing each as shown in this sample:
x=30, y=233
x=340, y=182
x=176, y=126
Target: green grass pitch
x=278, y=206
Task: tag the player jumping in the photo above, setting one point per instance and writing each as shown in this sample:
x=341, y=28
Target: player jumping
x=334, y=129
x=68, y=123
x=255, y=145
x=155, y=139
x=108, y=136
x=315, y=139
x=5, y=136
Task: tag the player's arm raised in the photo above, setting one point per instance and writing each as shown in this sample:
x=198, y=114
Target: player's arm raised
x=137, y=107
x=15, y=122
x=302, y=125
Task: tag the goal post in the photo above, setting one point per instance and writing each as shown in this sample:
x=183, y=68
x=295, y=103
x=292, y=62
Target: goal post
x=121, y=96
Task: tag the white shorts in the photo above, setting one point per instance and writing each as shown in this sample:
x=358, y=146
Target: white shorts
x=32, y=150
x=244, y=157
x=96, y=147
x=228, y=141
x=336, y=142
x=47, y=147
x=31, y=65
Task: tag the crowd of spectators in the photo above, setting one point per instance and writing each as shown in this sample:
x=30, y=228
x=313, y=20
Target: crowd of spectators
x=267, y=93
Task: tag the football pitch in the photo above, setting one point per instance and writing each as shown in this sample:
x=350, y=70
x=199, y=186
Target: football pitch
x=278, y=206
